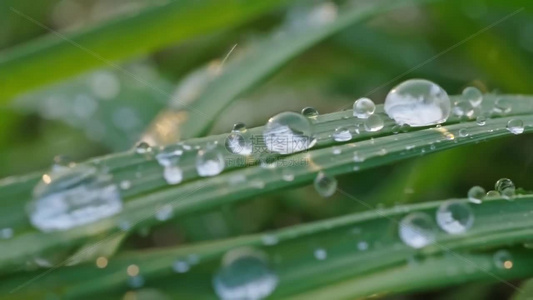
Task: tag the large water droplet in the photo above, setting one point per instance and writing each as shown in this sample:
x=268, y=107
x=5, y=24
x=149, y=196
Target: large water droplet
x=310, y=112
x=245, y=274
x=473, y=95
x=503, y=259
x=417, y=230
x=374, y=123
x=455, y=217
x=342, y=134
x=73, y=197
x=515, y=126
x=418, y=102
x=287, y=133
x=363, y=108
x=476, y=194
x=505, y=187
x=209, y=161
x=325, y=185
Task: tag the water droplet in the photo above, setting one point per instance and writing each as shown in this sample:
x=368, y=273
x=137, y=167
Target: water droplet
x=169, y=156
x=62, y=162
x=418, y=102
x=287, y=175
x=143, y=148
x=180, y=266
x=342, y=134
x=73, y=197
x=463, y=109
x=362, y=246
x=515, y=126
x=417, y=230
x=136, y=281
x=505, y=187
x=449, y=136
x=463, y=132
x=125, y=184
x=209, y=161
x=245, y=274
x=336, y=150
x=164, y=213
x=502, y=106
x=269, y=239
x=173, y=174
x=325, y=185
x=473, y=95
x=310, y=112
x=455, y=217
x=503, y=259
x=363, y=108
x=374, y=123
x=320, y=254
x=287, y=133
x=492, y=194
x=6, y=233
x=239, y=127
x=476, y=194
x=481, y=120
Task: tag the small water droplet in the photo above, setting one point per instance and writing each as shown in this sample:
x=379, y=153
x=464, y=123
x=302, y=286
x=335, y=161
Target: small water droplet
x=481, y=120
x=505, y=187
x=502, y=106
x=463, y=109
x=320, y=254
x=287, y=175
x=492, y=194
x=342, y=134
x=180, y=266
x=476, y=194
x=125, y=184
x=310, y=112
x=239, y=141
x=417, y=230
x=473, y=95
x=73, y=197
x=245, y=274
x=336, y=150
x=503, y=259
x=209, y=161
x=269, y=239
x=143, y=148
x=164, y=213
x=373, y=123
x=449, y=136
x=455, y=217
x=169, y=156
x=239, y=127
x=515, y=126
x=173, y=174
x=418, y=102
x=288, y=132
x=136, y=281
x=363, y=108
x=6, y=233
x=362, y=245
x=325, y=185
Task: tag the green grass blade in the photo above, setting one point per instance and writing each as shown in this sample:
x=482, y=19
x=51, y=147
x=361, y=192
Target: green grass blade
x=118, y=40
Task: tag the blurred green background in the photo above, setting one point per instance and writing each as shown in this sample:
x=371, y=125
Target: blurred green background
x=452, y=43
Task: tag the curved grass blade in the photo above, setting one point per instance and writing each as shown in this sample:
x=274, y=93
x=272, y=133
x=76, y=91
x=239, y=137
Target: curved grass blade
x=116, y=40
x=376, y=268
x=200, y=194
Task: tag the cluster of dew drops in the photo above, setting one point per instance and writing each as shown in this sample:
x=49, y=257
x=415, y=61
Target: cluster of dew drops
x=72, y=195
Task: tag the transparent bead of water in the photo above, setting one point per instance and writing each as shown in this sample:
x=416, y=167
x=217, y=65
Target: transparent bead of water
x=164, y=213
x=136, y=281
x=244, y=275
x=73, y=197
x=287, y=175
x=169, y=156
x=463, y=132
x=180, y=266
x=455, y=217
x=503, y=259
x=143, y=148
x=473, y=95
x=239, y=142
x=374, y=123
x=417, y=230
x=173, y=174
x=515, y=126
x=6, y=233
x=342, y=134
x=310, y=112
x=362, y=246
x=463, y=109
x=363, y=108
x=288, y=132
x=476, y=194
x=62, y=162
x=209, y=161
x=418, y=102
x=325, y=185
x=481, y=120
x=320, y=254
x=492, y=194
x=239, y=127
x=505, y=187
x=502, y=106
